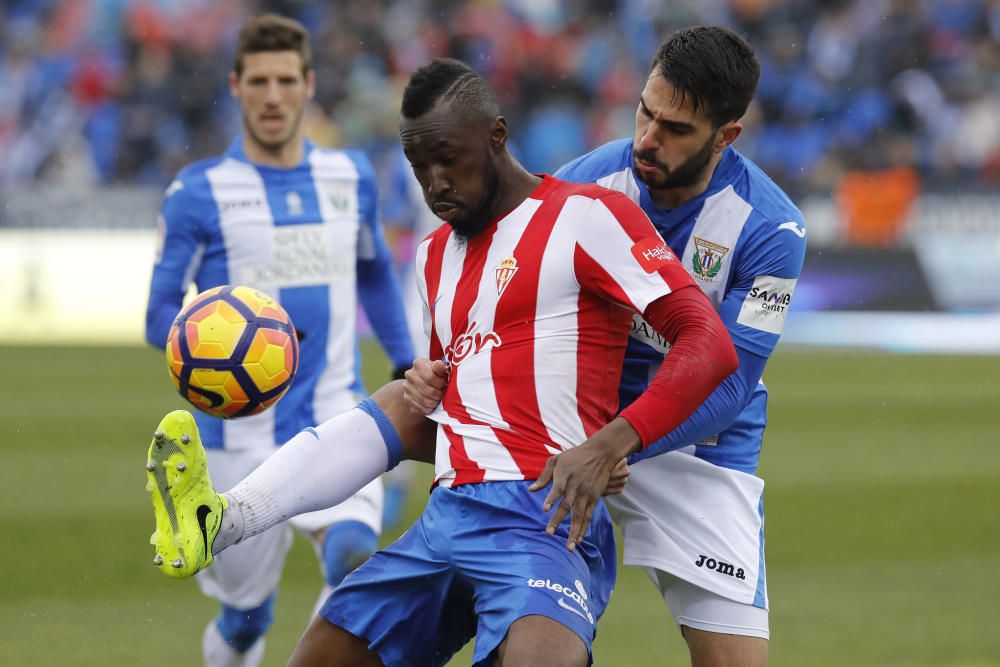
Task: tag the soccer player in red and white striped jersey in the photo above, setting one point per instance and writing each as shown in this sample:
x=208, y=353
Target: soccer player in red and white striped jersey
x=529, y=291
x=531, y=315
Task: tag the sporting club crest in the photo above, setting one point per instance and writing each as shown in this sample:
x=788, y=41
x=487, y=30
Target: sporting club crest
x=505, y=272
x=706, y=262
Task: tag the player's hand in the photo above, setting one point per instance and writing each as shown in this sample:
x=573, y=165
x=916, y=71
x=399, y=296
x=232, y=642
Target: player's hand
x=619, y=476
x=579, y=476
x=425, y=385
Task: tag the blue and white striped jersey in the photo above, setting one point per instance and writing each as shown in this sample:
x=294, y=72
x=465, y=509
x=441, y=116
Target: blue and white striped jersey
x=404, y=208
x=743, y=241
x=308, y=236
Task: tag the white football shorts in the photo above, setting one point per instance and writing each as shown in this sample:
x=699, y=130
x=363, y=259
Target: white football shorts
x=701, y=524
x=698, y=608
x=244, y=575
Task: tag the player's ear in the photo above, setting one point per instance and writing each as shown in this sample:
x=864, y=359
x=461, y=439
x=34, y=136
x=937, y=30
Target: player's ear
x=234, y=85
x=727, y=135
x=498, y=134
x=310, y=83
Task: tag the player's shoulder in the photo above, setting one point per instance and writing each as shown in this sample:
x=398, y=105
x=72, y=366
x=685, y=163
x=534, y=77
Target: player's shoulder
x=773, y=213
x=611, y=158
x=591, y=190
x=592, y=206
x=199, y=168
x=348, y=158
x=191, y=182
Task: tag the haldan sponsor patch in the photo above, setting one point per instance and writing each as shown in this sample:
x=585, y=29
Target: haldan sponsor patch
x=652, y=253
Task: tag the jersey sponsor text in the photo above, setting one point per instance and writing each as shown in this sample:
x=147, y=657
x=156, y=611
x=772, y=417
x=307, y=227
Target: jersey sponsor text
x=300, y=255
x=579, y=596
x=642, y=331
x=468, y=343
x=766, y=304
x=652, y=253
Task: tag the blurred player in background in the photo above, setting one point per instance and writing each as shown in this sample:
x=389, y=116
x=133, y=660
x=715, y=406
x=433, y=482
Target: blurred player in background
x=408, y=221
x=300, y=223
x=528, y=285
x=692, y=513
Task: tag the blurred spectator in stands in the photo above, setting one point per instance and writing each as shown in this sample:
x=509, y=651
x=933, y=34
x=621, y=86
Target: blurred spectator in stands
x=127, y=90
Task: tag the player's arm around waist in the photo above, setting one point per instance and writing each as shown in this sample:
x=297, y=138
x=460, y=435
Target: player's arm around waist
x=701, y=356
x=581, y=475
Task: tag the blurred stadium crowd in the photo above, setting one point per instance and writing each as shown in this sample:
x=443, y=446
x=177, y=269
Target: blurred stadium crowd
x=127, y=91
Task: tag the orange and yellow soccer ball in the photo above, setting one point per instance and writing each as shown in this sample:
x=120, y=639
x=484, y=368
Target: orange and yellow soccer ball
x=232, y=351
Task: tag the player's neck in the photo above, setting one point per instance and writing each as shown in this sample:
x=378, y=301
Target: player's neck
x=519, y=184
x=671, y=198
x=287, y=155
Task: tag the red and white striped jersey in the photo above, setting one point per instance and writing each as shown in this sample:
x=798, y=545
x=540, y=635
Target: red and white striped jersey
x=532, y=315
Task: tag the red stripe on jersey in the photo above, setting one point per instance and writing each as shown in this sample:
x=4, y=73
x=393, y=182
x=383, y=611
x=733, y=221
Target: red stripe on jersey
x=467, y=289
x=589, y=190
x=628, y=214
x=432, y=277
x=513, y=365
x=585, y=265
x=466, y=470
x=599, y=360
x=625, y=211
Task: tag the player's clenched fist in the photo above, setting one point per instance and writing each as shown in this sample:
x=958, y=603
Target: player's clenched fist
x=425, y=385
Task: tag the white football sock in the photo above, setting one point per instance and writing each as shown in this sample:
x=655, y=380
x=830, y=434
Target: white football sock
x=218, y=653
x=231, y=528
x=316, y=469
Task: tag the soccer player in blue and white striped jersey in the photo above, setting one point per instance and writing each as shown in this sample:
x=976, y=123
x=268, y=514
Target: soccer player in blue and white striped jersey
x=692, y=513
x=301, y=224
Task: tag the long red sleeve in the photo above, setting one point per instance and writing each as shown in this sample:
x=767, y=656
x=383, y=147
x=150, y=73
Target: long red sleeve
x=701, y=356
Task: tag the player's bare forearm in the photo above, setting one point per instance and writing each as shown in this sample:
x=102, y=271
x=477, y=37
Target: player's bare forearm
x=416, y=432
x=580, y=476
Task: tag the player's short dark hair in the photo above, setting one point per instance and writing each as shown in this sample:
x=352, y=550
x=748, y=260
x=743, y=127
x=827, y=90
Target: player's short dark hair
x=713, y=67
x=450, y=80
x=270, y=32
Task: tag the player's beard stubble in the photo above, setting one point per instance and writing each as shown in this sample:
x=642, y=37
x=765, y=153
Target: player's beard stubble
x=688, y=173
x=272, y=147
x=479, y=216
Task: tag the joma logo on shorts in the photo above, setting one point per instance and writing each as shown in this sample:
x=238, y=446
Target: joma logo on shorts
x=720, y=566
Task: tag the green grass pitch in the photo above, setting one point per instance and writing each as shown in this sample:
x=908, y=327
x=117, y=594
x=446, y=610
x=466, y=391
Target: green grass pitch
x=883, y=519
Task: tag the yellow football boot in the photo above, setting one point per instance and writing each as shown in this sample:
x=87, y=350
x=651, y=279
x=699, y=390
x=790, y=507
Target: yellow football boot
x=188, y=510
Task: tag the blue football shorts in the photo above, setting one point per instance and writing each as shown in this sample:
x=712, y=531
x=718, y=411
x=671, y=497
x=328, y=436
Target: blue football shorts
x=475, y=561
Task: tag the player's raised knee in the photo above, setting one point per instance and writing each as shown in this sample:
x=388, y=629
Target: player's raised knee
x=241, y=628
x=346, y=545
